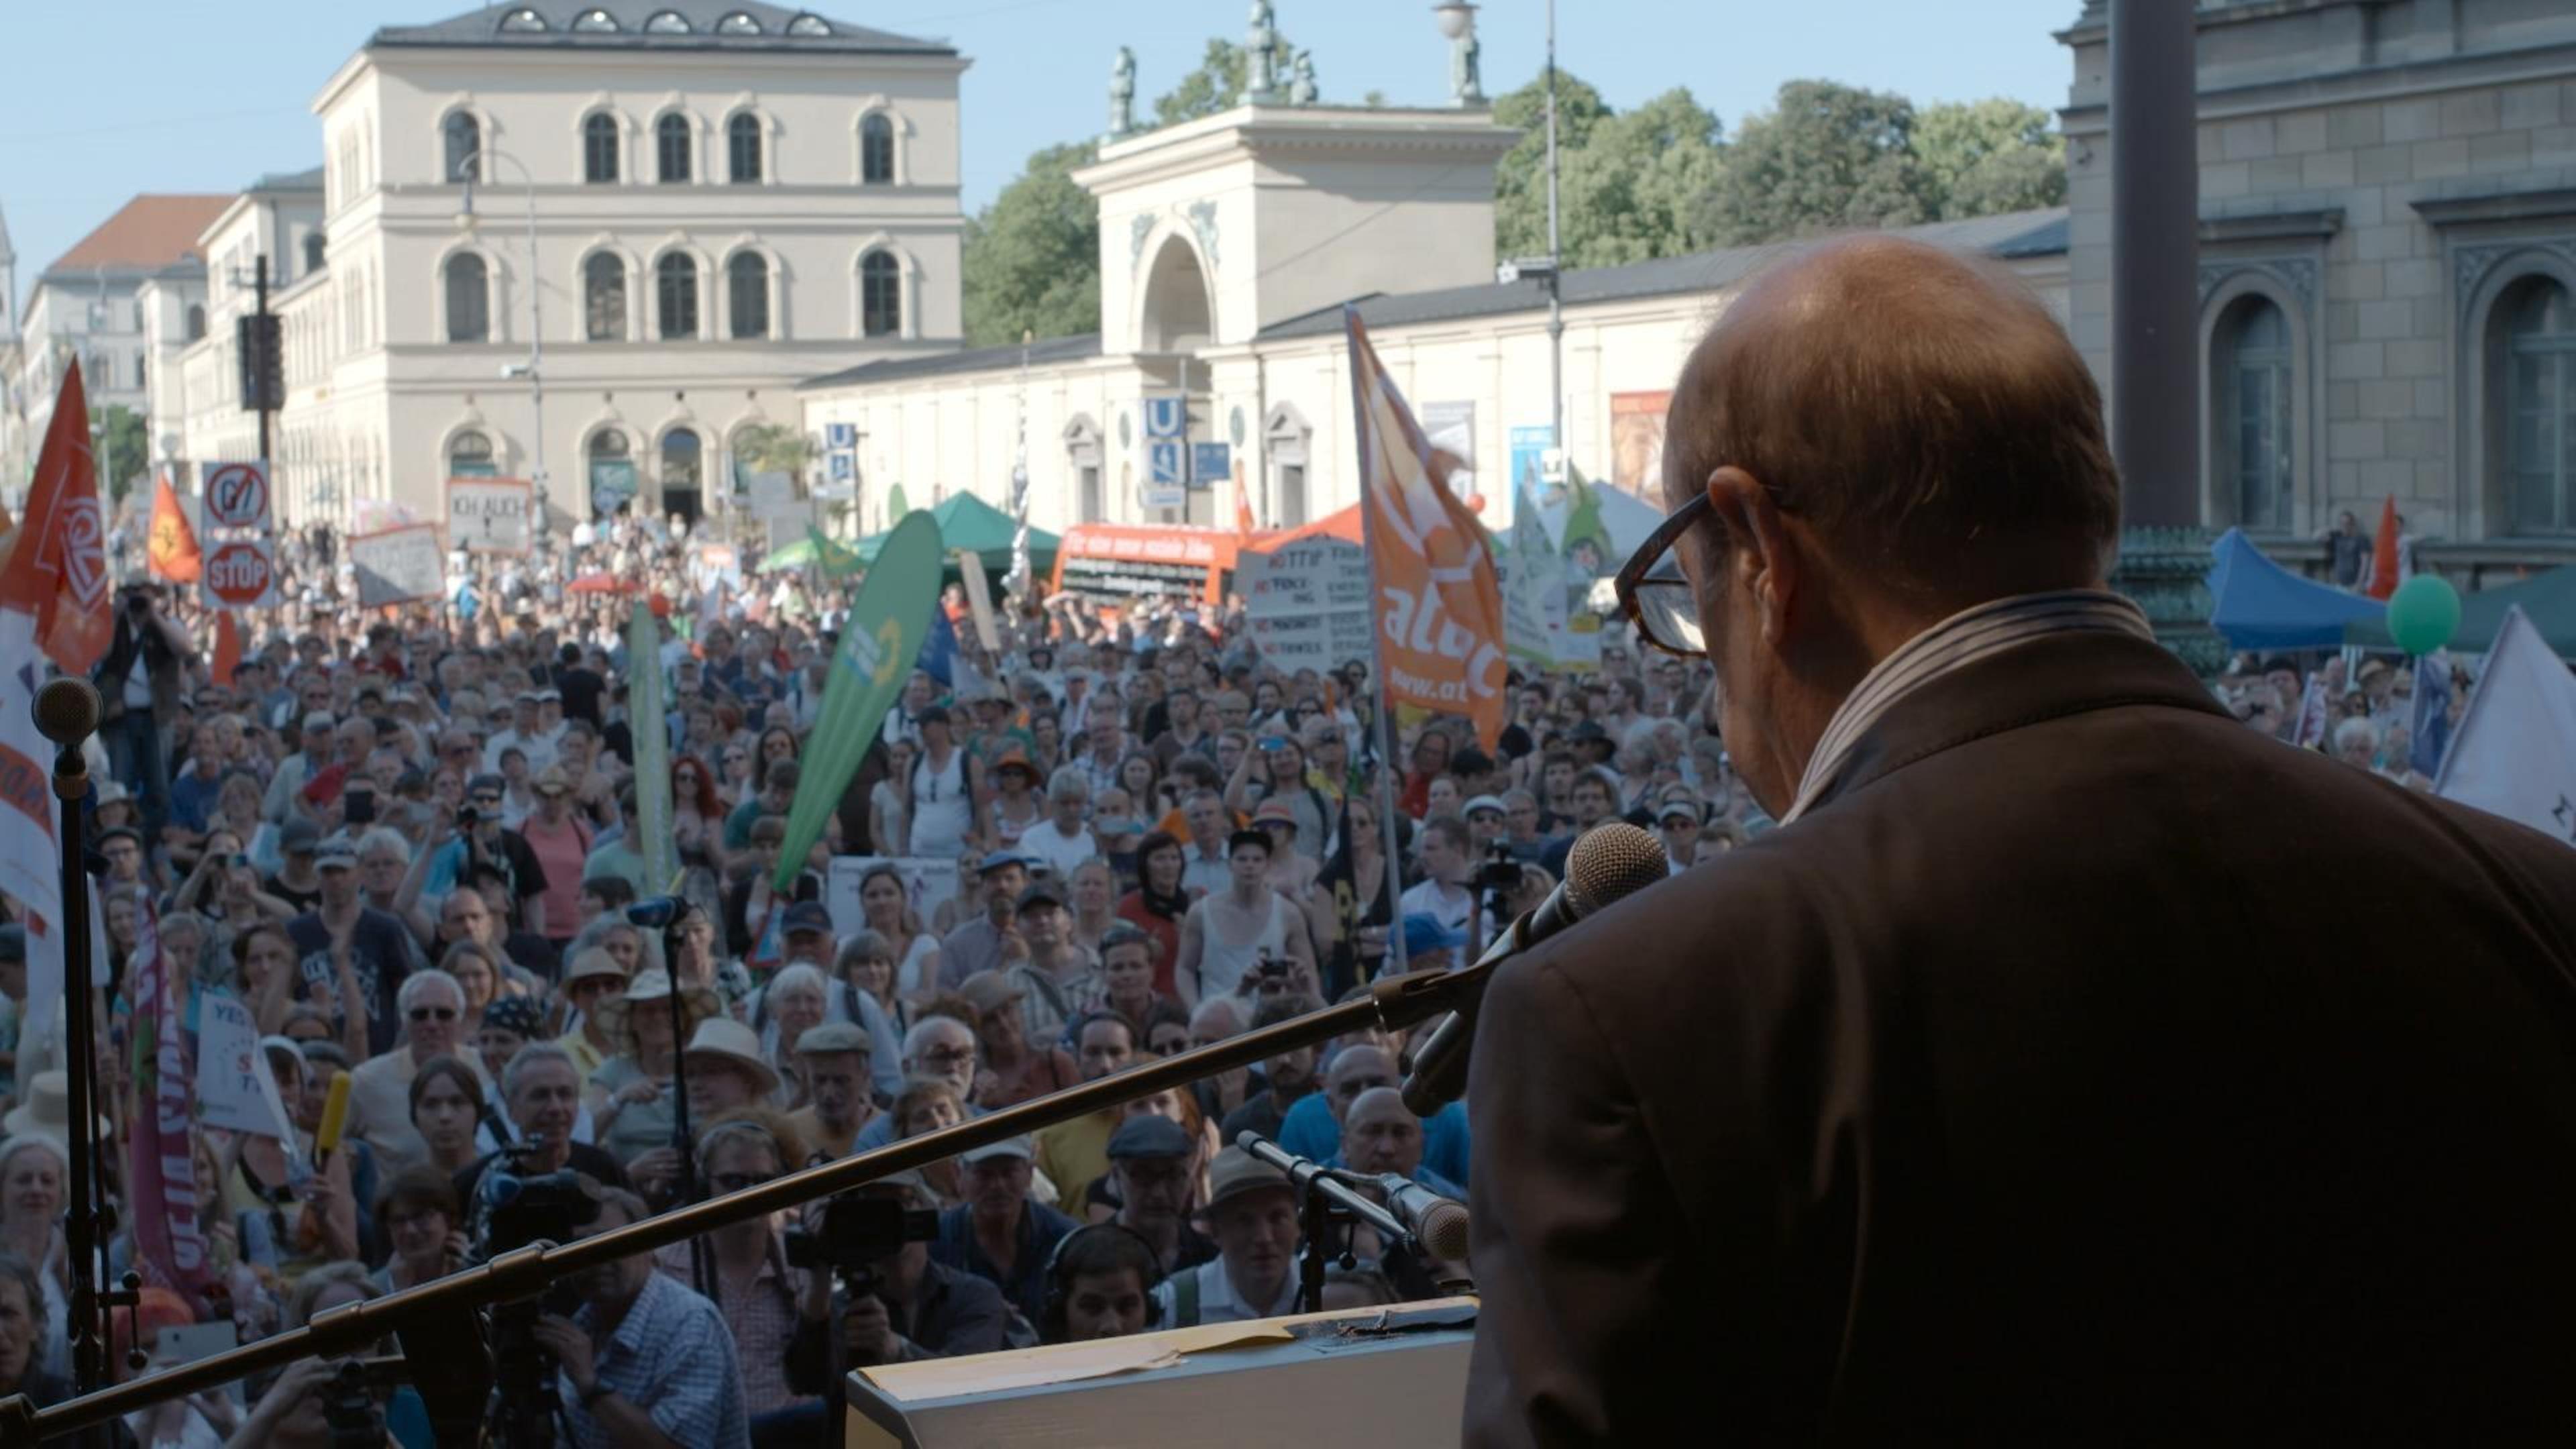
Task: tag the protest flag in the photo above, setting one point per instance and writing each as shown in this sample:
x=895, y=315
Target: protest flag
x=879, y=641
x=2514, y=753
x=1440, y=629
x=57, y=572
x=171, y=549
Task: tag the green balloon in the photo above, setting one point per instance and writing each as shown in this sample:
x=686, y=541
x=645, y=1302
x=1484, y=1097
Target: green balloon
x=2423, y=614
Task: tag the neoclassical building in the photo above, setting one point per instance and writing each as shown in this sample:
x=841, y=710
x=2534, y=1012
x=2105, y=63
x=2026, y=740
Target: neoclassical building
x=2387, y=267
x=670, y=212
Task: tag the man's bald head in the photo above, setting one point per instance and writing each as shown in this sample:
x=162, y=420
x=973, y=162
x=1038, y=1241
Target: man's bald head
x=1921, y=412
x=1381, y=1134
x=1356, y=1070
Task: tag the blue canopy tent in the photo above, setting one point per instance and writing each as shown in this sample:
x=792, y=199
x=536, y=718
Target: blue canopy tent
x=2257, y=604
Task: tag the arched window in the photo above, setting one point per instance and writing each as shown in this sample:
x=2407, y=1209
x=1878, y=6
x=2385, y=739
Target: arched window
x=675, y=296
x=739, y=22
x=880, y=295
x=196, y=321
x=747, y=294
x=667, y=22
x=683, y=462
x=470, y=456
x=742, y=149
x=599, y=150
x=876, y=149
x=464, y=138
x=671, y=149
x=2540, y=409
x=603, y=297
x=469, y=299
x=2255, y=450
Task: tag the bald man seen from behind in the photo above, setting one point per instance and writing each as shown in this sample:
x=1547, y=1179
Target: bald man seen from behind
x=2074, y=1065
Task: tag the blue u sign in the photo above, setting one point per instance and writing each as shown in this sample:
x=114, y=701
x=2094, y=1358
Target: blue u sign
x=1166, y=416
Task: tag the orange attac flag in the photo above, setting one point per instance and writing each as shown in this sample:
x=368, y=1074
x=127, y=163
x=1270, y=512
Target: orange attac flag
x=57, y=571
x=2383, y=553
x=228, y=647
x=1243, y=526
x=172, y=548
x=1439, y=602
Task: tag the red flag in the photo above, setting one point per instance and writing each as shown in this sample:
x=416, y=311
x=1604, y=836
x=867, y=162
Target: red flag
x=228, y=647
x=172, y=549
x=1243, y=525
x=2383, y=554
x=1440, y=621
x=57, y=573
x=161, y=1180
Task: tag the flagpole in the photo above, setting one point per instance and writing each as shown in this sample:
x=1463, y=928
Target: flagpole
x=1377, y=664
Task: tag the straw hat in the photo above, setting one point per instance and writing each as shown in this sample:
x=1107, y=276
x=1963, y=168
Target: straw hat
x=653, y=988
x=728, y=1040
x=45, y=1110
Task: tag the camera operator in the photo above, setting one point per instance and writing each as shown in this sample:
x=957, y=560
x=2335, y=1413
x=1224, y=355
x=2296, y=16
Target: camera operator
x=907, y=1307
x=297, y=1409
x=646, y=1364
x=139, y=684
x=542, y=1093
x=757, y=1290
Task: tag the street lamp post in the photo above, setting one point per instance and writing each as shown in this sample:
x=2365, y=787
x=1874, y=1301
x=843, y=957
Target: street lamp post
x=534, y=368
x=1457, y=19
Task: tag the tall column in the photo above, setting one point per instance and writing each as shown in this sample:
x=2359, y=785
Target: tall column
x=2155, y=300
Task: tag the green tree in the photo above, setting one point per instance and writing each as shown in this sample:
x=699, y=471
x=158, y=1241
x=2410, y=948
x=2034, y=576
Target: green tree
x=1980, y=158
x=127, y=453
x=1032, y=257
x=1825, y=157
x=1520, y=178
x=1217, y=84
x=1641, y=184
x=774, y=448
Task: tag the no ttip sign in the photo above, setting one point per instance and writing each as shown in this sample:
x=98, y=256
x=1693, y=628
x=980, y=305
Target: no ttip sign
x=237, y=496
x=238, y=574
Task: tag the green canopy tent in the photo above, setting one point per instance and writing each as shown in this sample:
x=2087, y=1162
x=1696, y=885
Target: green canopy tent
x=2548, y=599
x=968, y=523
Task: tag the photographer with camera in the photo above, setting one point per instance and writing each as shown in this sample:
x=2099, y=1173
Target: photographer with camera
x=139, y=686
x=890, y=1301
x=542, y=1094
x=310, y=1404
x=645, y=1363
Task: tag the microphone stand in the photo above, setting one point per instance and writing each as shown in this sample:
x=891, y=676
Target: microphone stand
x=1393, y=1004
x=701, y=1272
x=1323, y=1198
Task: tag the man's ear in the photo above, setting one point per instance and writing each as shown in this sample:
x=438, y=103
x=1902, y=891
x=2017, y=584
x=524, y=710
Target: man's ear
x=1764, y=560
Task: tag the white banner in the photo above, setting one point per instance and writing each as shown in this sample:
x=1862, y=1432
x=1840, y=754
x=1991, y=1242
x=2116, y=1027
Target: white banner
x=2515, y=752
x=234, y=1088
x=398, y=565
x=488, y=515
x=1306, y=603
x=928, y=881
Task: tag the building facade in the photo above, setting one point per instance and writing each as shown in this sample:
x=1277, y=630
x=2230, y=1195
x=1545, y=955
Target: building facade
x=642, y=222
x=2387, y=267
x=122, y=301
x=1227, y=248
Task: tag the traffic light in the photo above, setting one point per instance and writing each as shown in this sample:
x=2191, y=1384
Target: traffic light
x=263, y=364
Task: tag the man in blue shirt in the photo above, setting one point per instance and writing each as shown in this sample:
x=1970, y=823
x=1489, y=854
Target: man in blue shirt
x=645, y=1360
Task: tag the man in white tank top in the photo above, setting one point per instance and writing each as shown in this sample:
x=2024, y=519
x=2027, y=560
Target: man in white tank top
x=1230, y=932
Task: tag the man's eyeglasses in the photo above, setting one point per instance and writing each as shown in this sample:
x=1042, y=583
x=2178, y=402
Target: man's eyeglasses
x=948, y=1056
x=432, y=1013
x=1653, y=593
x=725, y=1182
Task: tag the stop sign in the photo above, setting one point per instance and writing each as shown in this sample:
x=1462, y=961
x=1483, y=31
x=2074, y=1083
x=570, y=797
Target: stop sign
x=238, y=573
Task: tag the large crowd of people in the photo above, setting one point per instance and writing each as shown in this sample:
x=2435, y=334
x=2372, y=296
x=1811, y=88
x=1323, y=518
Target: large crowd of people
x=405, y=841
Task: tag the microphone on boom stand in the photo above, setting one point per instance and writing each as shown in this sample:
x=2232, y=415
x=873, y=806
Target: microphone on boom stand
x=1608, y=862
x=1417, y=1223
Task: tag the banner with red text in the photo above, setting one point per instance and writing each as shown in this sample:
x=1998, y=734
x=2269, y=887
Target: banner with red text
x=161, y=1175
x=1439, y=604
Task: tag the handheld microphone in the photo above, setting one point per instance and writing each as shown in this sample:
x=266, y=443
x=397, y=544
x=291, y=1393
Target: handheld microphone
x=1438, y=1223
x=654, y=913
x=1610, y=861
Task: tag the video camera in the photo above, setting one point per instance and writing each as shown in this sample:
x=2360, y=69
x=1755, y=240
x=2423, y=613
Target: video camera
x=1499, y=872
x=858, y=1233
x=516, y=1207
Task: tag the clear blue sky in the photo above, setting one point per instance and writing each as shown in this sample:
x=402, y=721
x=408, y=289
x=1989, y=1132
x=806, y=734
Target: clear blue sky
x=202, y=95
